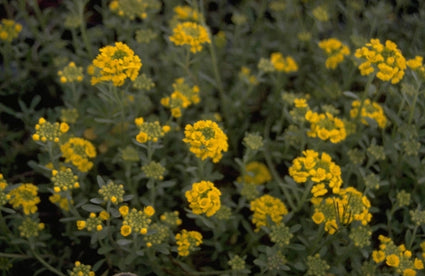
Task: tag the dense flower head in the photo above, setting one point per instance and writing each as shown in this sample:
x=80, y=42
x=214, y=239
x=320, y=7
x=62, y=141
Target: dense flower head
x=237, y=263
x=30, y=227
x=4, y=197
x=134, y=8
x=71, y=73
x=342, y=209
x=386, y=59
x=93, y=222
x=64, y=180
x=283, y=64
x=320, y=169
x=325, y=126
x=62, y=202
x=191, y=34
x=149, y=131
x=154, y=170
x=69, y=115
x=171, y=218
x=416, y=64
x=360, y=235
x=136, y=221
x=317, y=266
x=185, y=13
x=115, y=63
x=187, y=241
x=143, y=82
x=267, y=206
x=397, y=257
x=157, y=234
x=206, y=140
x=25, y=196
x=112, y=192
x=182, y=97
x=204, y=198
x=370, y=110
x=335, y=50
x=280, y=234
x=9, y=30
x=80, y=269
x=46, y=131
x=253, y=141
x=79, y=151
x=255, y=173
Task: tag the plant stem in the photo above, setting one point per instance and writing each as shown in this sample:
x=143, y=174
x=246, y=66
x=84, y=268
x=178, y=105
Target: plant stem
x=43, y=262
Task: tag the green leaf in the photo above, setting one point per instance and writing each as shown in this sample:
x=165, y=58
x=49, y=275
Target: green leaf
x=124, y=242
x=92, y=208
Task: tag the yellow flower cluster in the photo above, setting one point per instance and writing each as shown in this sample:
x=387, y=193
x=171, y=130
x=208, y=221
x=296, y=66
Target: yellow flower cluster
x=64, y=180
x=9, y=30
x=71, y=73
x=112, y=192
x=46, y=131
x=246, y=76
x=191, y=34
x=62, y=202
x=81, y=270
x=342, y=209
x=255, y=173
x=4, y=197
x=416, y=64
x=283, y=64
x=204, y=198
x=206, y=140
x=115, y=63
x=388, y=60
x=187, y=241
x=93, y=222
x=397, y=257
x=324, y=173
x=182, y=97
x=25, y=196
x=78, y=151
x=370, y=110
x=185, y=13
x=149, y=131
x=134, y=8
x=326, y=126
x=335, y=50
x=30, y=227
x=267, y=206
x=136, y=221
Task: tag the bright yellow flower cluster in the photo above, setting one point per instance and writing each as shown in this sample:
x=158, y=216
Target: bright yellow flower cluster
x=134, y=8
x=4, y=197
x=342, y=209
x=71, y=73
x=397, y=257
x=64, y=180
x=324, y=173
x=136, y=221
x=191, y=34
x=255, y=173
x=25, y=196
x=388, y=60
x=149, y=131
x=187, y=241
x=370, y=110
x=46, y=131
x=81, y=270
x=204, y=198
x=182, y=97
x=93, y=222
x=283, y=64
x=115, y=63
x=79, y=151
x=326, y=126
x=335, y=50
x=206, y=140
x=9, y=30
x=417, y=65
x=267, y=206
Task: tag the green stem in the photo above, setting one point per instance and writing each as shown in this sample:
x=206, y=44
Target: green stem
x=412, y=239
x=14, y=256
x=44, y=263
x=83, y=29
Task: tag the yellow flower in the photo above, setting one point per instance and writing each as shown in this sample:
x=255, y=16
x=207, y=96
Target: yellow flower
x=9, y=30
x=378, y=256
x=255, y=173
x=182, y=97
x=191, y=34
x=335, y=50
x=393, y=260
x=284, y=64
x=267, y=206
x=318, y=217
x=386, y=59
x=79, y=151
x=370, y=110
x=123, y=210
x=204, y=197
x=148, y=131
x=46, y=131
x=206, y=140
x=326, y=127
x=115, y=63
x=25, y=196
x=125, y=230
x=187, y=241
x=409, y=272
x=71, y=73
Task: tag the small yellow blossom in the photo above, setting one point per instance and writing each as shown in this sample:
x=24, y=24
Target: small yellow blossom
x=79, y=151
x=187, y=241
x=335, y=50
x=370, y=110
x=325, y=126
x=9, y=30
x=191, y=34
x=267, y=206
x=25, y=196
x=283, y=64
x=204, y=197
